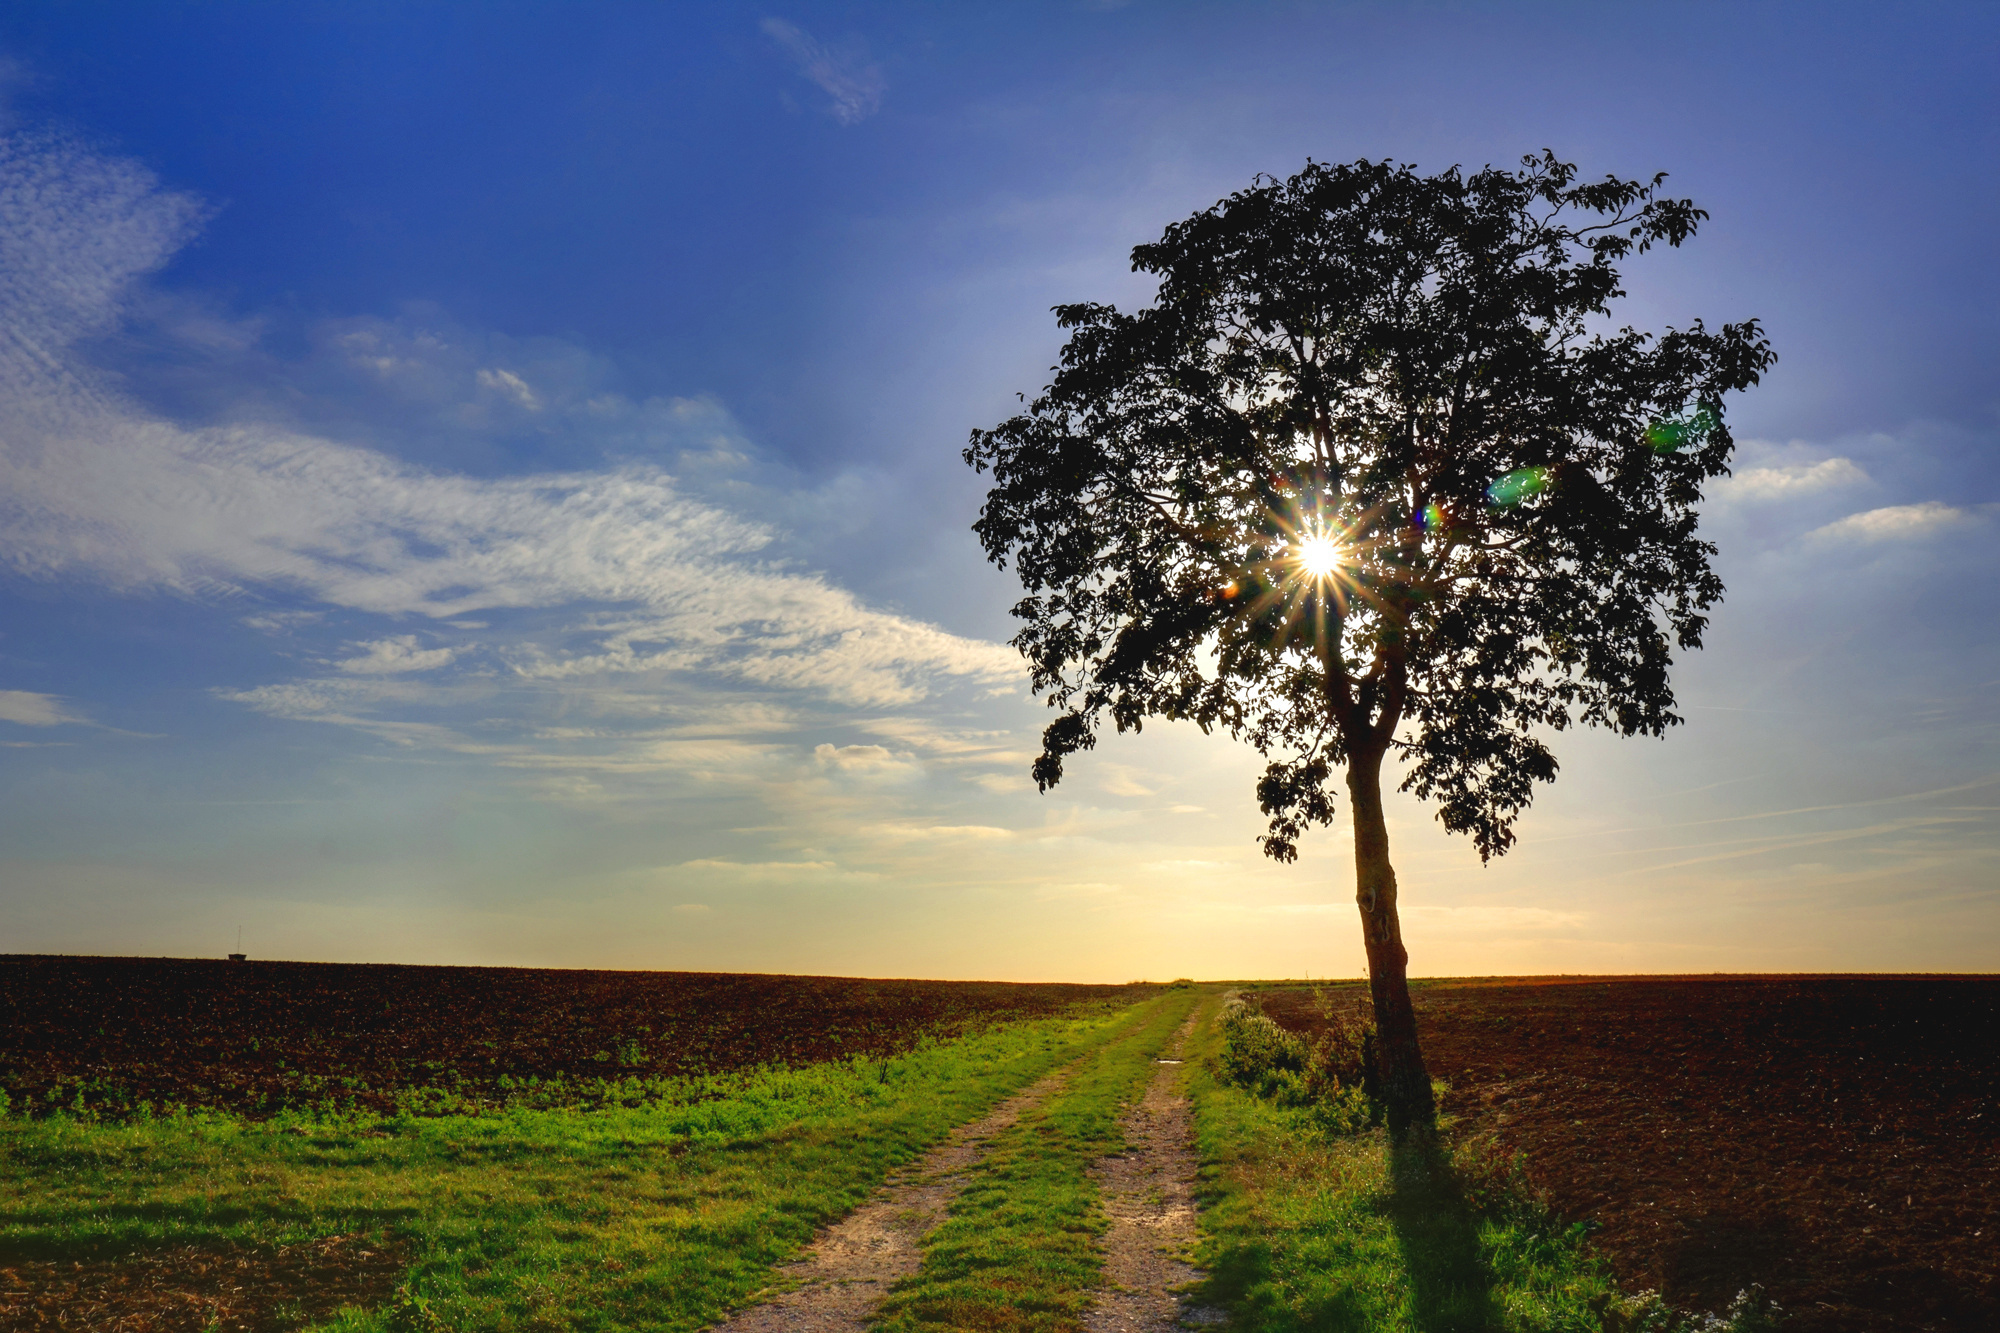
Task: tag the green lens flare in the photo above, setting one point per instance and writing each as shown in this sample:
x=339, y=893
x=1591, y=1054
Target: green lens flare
x=1517, y=486
x=1666, y=437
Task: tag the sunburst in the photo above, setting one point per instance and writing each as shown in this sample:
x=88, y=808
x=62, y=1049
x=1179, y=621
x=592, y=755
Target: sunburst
x=1318, y=556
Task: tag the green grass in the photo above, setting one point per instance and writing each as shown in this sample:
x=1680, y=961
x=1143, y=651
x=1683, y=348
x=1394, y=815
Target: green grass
x=1019, y=1250
x=667, y=1216
x=660, y=1218
x=1306, y=1231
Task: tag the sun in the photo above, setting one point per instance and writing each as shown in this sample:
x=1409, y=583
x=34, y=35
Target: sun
x=1318, y=556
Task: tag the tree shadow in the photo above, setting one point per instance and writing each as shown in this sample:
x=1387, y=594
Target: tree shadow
x=1437, y=1228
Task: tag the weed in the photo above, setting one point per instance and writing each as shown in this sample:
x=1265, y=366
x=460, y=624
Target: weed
x=1751, y=1312
x=1330, y=1080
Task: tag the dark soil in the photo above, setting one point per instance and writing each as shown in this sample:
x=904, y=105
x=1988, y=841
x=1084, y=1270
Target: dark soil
x=198, y=1289
x=1836, y=1140
x=111, y=1034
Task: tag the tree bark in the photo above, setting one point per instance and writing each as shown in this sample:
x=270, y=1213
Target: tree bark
x=1406, y=1085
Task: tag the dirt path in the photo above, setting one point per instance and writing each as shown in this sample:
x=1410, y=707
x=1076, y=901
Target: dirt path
x=1149, y=1193
x=850, y=1268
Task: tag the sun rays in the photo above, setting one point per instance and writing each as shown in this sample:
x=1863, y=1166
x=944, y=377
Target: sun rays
x=1311, y=582
x=1317, y=556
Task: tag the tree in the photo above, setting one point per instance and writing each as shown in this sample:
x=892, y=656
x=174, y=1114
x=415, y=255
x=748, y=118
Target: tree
x=1372, y=479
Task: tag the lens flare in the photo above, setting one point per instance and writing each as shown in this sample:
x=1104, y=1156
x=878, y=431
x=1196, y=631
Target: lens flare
x=1517, y=486
x=1666, y=437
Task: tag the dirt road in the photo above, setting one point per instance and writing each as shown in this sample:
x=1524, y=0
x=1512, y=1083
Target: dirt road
x=1149, y=1193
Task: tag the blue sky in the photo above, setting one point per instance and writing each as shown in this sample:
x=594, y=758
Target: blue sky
x=480, y=483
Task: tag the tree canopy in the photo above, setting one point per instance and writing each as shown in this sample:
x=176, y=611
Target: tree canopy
x=1374, y=476
x=1396, y=376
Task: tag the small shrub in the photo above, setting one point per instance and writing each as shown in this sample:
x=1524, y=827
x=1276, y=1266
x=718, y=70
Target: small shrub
x=1331, y=1080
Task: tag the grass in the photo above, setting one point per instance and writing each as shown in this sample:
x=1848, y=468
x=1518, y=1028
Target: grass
x=668, y=1215
x=1330, y=1233
x=662, y=1217
x=1019, y=1250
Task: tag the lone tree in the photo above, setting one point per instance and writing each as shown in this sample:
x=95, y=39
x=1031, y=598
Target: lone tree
x=1371, y=479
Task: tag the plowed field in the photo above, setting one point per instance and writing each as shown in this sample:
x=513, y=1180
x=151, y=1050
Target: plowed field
x=258, y=1036
x=1834, y=1139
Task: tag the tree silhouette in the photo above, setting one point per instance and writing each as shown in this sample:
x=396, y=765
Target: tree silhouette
x=1373, y=478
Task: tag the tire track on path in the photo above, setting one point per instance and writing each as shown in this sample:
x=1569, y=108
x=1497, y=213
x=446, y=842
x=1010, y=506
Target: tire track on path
x=847, y=1271
x=1149, y=1194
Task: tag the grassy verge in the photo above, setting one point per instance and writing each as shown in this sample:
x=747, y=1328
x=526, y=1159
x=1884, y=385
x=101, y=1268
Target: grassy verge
x=1303, y=1230
x=660, y=1218
x=1019, y=1251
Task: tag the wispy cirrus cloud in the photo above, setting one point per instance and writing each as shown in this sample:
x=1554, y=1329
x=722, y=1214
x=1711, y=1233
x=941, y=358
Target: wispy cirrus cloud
x=1787, y=482
x=28, y=709
x=617, y=582
x=843, y=72
x=394, y=656
x=1895, y=523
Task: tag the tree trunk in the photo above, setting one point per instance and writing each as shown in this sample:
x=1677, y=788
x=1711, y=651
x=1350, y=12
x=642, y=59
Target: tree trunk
x=1406, y=1085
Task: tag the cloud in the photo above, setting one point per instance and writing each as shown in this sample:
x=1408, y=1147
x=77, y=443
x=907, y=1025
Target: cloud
x=647, y=577
x=1496, y=917
x=509, y=385
x=1894, y=523
x=1124, y=780
x=35, y=710
x=1781, y=483
x=781, y=871
x=844, y=72
x=75, y=230
x=393, y=656
x=922, y=832
x=866, y=762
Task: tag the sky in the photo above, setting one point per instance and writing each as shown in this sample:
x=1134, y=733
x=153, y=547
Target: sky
x=481, y=484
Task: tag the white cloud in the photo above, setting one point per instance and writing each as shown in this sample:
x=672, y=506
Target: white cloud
x=1782, y=483
x=283, y=622
x=867, y=762
x=93, y=487
x=396, y=655
x=843, y=72
x=75, y=230
x=509, y=385
x=1894, y=523
x=34, y=710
